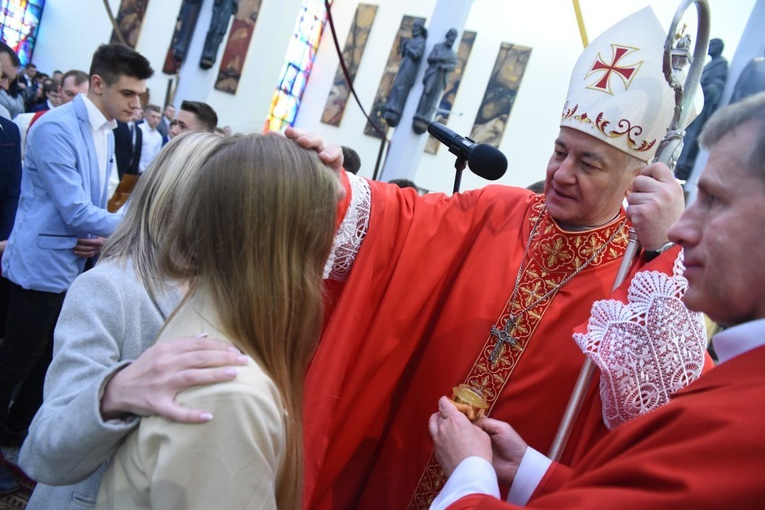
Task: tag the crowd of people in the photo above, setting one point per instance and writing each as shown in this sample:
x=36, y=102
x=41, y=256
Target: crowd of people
x=86, y=143
x=260, y=328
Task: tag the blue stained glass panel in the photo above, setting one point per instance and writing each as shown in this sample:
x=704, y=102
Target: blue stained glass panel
x=301, y=53
x=300, y=81
x=19, y=22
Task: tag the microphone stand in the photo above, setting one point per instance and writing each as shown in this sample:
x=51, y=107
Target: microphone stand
x=459, y=164
x=380, y=153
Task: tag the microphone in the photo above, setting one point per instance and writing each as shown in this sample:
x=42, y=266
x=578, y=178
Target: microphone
x=483, y=159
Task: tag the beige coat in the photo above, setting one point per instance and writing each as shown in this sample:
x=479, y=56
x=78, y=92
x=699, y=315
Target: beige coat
x=230, y=462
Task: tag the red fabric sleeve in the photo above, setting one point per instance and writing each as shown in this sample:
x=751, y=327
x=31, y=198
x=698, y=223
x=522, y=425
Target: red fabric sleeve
x=555, y=476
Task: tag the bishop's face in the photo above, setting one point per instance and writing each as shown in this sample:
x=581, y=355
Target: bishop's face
x=586, y=180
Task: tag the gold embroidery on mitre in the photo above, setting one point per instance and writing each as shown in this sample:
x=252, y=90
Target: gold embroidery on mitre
x=555, y=255
x=623, y=127
x=626, y=129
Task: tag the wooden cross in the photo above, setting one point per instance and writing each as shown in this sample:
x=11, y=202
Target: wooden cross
x=503, y=336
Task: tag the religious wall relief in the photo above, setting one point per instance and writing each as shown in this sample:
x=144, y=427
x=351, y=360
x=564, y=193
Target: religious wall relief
x=185, y=25
x=232, y=61
x=355, y=44
x=490, y=122
x=129, y=20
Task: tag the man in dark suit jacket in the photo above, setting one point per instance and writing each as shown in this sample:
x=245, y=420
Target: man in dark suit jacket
x=10, y=181
x=51, y=90
x=127, y=147
x=10, y=177
x=164, y=125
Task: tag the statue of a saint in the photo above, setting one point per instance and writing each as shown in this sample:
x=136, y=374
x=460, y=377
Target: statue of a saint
x=411, y=54
x=750, y=81
x=221, y=15
x=184, y=29
x=713, y=80
x=441, y=62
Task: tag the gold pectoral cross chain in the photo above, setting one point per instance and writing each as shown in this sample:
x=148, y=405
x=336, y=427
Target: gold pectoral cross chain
x=504, y=335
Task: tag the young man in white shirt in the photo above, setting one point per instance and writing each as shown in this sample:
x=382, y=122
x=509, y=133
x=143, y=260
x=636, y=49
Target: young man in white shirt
x=152, y=138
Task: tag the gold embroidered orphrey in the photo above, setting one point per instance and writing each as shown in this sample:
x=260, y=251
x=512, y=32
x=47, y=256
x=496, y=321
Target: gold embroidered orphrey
x=554, y=257
x=505, y=335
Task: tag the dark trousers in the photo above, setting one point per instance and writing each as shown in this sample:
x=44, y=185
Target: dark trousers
x=4, y=283
x=26, y=353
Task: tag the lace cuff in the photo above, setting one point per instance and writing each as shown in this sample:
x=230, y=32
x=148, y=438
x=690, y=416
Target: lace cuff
x=646, y=349
x=351, y=232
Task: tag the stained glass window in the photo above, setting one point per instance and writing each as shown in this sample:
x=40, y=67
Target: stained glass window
x=19, y=20
x=301, y=53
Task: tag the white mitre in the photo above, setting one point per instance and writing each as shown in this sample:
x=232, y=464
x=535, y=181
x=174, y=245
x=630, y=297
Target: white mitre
x=618, y=92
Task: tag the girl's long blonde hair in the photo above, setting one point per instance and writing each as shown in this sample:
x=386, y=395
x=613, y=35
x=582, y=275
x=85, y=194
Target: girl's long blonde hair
x=255, y=233
x=154, y=205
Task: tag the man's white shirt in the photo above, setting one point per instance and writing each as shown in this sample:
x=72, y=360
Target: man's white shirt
x=150, y=146
x=100, y=129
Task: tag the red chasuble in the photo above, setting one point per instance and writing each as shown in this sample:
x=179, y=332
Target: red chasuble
x=433, y=276
x=703, y=451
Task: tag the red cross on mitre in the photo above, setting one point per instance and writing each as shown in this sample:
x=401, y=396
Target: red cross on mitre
x=626, y=72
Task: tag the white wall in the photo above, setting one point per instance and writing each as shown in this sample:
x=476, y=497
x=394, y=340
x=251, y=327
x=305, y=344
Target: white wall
x=68, y=37
x=548, y=26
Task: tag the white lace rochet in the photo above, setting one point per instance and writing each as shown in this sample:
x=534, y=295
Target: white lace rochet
x=646, y=349
x=351, y=232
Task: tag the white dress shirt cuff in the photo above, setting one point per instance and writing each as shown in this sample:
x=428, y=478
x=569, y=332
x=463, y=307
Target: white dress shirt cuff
x=474, y=475
x=533, y=467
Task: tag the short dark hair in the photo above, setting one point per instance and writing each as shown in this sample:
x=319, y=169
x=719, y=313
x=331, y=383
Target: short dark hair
x=110, y=61
x=403, y=183
x=537, y=187
x=50, y=85
x=4, y=48
x=30, y=65
x=203, y=112
x=351, y=160
x=152, y=108
x=79, y=76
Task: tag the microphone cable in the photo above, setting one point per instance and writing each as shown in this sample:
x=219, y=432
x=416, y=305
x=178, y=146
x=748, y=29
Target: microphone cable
x=347, y=74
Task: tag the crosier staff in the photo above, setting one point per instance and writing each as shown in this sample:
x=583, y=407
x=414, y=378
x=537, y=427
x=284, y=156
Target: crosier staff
x=668, y=152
